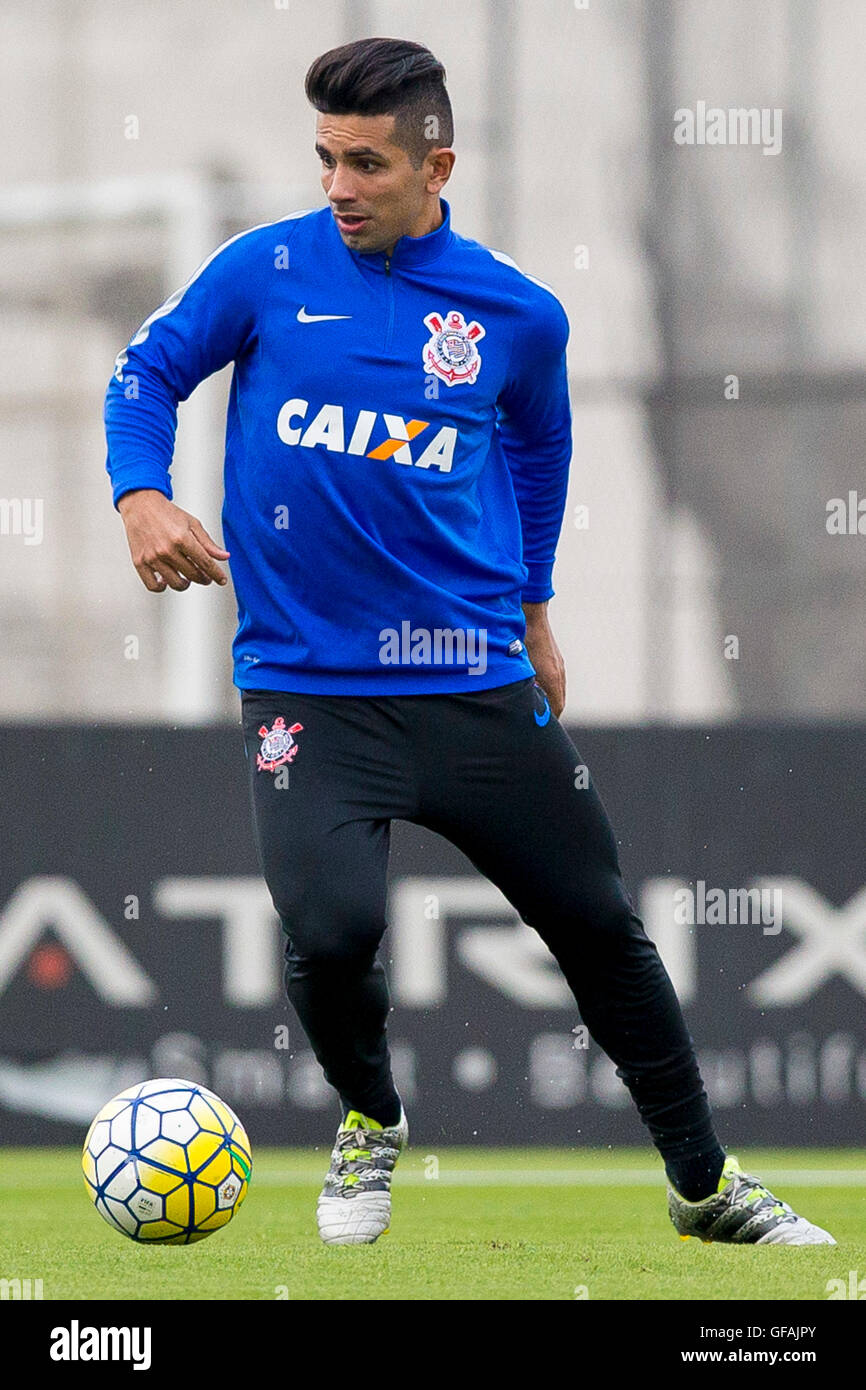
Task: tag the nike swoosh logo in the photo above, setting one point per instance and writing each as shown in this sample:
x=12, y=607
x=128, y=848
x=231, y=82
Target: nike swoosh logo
x=304, y=317
x=541, y=719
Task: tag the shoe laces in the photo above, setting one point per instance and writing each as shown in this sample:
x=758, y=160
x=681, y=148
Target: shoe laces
x=356, y=1157
x=755, y=1195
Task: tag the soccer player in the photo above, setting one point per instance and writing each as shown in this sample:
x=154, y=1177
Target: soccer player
x=397, y=449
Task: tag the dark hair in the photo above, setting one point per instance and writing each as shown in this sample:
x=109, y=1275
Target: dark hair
x=393, y=77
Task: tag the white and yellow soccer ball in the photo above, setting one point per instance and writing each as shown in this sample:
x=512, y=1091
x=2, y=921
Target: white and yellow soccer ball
x=166, y=1162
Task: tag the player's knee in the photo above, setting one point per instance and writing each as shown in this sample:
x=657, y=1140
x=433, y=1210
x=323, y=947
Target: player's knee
x=326, y=932
x=617, y=929
x=598, y=917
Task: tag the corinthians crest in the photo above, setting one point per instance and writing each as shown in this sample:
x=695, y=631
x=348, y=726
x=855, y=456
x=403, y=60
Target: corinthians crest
x=278, y=745
x=451, y=351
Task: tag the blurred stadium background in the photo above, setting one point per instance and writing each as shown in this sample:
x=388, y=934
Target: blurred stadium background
x=711, y=624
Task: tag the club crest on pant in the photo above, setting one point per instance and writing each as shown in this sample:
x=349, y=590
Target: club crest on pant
x=278, y=745
x=451, y=351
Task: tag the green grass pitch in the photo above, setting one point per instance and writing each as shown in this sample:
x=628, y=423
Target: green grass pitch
x=520, y=1224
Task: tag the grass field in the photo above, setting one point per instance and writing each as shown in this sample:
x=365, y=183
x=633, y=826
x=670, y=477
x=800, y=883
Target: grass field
x=495, y=1225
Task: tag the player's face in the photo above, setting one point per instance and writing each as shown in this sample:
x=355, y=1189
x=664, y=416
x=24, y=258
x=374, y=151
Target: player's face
x=376, y=194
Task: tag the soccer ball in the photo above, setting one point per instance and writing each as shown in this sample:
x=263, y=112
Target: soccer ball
x=166, y=1162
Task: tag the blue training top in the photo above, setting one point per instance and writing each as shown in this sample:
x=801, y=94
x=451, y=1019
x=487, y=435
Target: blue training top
x=397, y=448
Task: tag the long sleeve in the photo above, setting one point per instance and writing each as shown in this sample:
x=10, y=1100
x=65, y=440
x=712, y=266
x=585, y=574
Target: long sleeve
x=535, y=430
x=202, y=327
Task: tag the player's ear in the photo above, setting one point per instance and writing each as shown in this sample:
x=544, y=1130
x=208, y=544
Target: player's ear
x=440, y=162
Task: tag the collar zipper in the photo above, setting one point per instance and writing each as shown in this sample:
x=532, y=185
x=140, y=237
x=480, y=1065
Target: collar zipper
x=389, y=280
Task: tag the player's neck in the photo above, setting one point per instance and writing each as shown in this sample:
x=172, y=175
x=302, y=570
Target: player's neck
x=427, y=221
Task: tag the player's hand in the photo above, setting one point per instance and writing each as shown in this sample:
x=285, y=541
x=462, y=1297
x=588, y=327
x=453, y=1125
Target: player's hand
x=545, y=655
x=169, y=548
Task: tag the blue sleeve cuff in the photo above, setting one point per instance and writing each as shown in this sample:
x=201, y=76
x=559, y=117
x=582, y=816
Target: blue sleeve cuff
x=539, y=584
x=141, y=475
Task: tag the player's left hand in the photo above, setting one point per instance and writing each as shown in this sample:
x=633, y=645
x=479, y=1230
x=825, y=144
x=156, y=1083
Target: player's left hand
x=545, y=655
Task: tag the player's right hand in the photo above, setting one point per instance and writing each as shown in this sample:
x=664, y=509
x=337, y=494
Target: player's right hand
x=169, y=547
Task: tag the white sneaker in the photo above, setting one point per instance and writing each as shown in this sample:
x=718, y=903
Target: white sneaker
x=355, y=1203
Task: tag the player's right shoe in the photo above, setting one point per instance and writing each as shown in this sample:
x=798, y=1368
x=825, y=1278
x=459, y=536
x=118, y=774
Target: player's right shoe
x=742, y=1212
x=355, y=1203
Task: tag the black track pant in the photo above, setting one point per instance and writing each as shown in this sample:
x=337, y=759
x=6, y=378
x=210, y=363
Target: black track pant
x=507, y=790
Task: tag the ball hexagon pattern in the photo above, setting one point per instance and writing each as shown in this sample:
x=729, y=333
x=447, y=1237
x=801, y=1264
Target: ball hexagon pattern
x=166, y=1162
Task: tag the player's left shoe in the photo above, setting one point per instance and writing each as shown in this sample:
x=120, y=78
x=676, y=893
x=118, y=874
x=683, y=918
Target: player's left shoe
x=743, y=1212
x=355, y=1204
